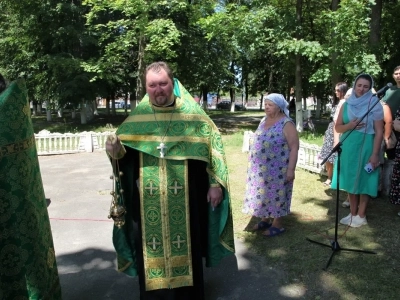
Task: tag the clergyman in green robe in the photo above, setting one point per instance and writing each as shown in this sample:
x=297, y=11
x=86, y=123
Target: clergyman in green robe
x=174, y=186
x=28, y=268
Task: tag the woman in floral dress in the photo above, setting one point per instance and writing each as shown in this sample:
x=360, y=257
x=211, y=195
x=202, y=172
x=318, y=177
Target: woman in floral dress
x=340, y=91
x=394, y=195
x=271, y=167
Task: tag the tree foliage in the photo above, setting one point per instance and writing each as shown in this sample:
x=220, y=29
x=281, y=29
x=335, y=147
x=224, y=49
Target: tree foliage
x=74, y=50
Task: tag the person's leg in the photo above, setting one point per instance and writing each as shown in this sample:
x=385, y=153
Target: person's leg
x=362, y=208
x=360, y=218
x=329, y=172
x=346, y=203
x=263, y=224
x=277, y=222
x=354, y=201
x=275, y=227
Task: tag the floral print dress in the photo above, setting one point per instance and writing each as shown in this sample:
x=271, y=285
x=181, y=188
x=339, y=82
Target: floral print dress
x=394, y=195
x=267, y=193
x=328, y=144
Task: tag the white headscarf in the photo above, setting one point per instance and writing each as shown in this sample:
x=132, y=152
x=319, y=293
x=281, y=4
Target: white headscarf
x=358, y=107
x=280, y=101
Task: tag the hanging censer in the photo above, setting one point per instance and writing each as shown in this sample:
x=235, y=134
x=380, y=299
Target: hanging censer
x=117, y=208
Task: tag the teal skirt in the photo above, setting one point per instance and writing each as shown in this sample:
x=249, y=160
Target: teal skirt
x=356, y=151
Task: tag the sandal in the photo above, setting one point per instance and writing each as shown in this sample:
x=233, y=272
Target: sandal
x=273, y=231
x=262, y=225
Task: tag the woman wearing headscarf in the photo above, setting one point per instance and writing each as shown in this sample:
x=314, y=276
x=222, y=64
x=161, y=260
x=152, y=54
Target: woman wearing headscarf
x=340, y=91
x=271, y=167
x=360, y=159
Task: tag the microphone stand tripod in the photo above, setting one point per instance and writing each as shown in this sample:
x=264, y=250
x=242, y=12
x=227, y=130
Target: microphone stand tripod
x=334, y=245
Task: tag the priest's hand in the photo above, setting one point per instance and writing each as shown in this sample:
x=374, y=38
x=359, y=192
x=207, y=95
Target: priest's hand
x=113, y=145
x=214, y=196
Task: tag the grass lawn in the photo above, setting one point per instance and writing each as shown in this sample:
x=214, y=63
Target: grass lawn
x=298, y=262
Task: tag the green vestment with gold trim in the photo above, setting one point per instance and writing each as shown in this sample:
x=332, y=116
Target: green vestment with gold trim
x=187, y=134
x=28, y=268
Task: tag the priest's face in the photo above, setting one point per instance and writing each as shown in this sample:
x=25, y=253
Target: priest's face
x=159, y=87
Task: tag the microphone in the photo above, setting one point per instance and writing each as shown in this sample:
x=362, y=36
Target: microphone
x=383, y=90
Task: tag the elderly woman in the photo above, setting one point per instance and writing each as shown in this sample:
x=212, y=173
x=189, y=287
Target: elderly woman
x=360, y=148
x=271, y=167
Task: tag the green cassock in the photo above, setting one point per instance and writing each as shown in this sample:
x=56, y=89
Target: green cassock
x=168, y=142
x=28, y=268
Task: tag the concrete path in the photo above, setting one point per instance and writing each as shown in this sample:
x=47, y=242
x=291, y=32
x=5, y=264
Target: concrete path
x=78, y=187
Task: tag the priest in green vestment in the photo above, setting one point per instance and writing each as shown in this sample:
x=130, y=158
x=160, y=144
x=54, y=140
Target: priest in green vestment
x=172, y=178
x=28, y=268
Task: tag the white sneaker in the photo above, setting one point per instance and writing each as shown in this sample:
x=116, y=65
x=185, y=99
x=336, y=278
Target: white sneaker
x=346, y=220
x=357, y=221
x=346, y=204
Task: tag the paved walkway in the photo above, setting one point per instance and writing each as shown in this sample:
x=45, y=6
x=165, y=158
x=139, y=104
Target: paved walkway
x=78, y=187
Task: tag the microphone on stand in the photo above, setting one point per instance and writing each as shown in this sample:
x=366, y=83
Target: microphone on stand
x=383, y=90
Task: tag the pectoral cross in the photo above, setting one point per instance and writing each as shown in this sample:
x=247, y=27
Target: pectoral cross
x=162, y=147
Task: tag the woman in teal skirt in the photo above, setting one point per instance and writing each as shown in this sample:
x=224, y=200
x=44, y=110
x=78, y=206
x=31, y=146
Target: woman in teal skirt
x=359, y=149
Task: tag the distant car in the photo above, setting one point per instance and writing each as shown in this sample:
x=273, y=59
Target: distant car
x=239, y=106
x=223, y=105
x=119, y=104
x=226, y=105
x=67, y=107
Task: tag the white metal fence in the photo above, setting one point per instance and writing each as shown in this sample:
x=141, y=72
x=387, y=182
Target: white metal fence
x=57, y=143
x=48, y=143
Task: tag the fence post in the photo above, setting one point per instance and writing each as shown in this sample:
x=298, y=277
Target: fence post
x=88, y=142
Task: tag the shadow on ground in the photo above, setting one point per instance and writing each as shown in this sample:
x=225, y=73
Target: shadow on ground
x=91, y=274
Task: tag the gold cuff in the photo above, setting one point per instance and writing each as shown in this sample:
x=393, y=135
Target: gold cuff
x=215, y=185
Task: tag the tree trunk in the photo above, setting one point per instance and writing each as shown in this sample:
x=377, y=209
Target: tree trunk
x=375, y=27
x=336, y=77
x=83, y=112
x=140, y=82
x=95, y=111
x=33, y=108
x=48, y=111
x=132, y=100
x=204, y=92
x=317, y=107
x=108, y=105
x=89, y=110
x=232, y=89
x=270, y=81
x=113, y=103
x=246, y=90
x=298, y=89
x=38, y=109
